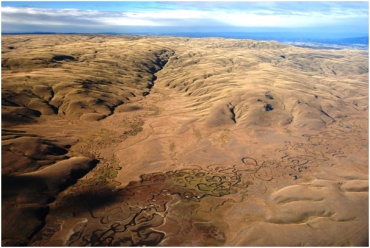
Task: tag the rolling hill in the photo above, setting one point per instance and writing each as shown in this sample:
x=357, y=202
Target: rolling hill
x=169, y=141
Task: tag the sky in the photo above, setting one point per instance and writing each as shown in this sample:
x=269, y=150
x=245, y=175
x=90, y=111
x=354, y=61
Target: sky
x=347, y=19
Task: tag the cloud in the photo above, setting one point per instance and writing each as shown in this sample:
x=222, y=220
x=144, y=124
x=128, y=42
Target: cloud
x=187, y=14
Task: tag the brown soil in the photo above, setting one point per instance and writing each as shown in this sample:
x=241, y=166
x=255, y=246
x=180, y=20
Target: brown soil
x=124, y=140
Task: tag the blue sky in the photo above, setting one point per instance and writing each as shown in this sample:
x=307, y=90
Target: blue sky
x=341, y=18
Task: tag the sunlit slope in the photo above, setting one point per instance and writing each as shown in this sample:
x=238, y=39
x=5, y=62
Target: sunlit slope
x=268, y=84
x=134, y=140
x=83, y=77
x=245, y=82
x=54, y=80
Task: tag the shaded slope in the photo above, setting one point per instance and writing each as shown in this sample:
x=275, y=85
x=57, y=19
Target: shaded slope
x=268, y=85
x=62, y=79
x=67, y=78
x=113, y=140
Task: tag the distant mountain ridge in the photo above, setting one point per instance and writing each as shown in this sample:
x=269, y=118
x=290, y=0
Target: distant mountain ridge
x=361, y=42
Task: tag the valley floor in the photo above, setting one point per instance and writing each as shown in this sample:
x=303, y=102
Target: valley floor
x=131, y=141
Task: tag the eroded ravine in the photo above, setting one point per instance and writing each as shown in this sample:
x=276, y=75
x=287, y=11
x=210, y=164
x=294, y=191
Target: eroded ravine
x=142, y=206
x=202, y=150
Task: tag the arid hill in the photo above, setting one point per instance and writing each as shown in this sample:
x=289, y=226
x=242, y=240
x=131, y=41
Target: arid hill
x=134, y=140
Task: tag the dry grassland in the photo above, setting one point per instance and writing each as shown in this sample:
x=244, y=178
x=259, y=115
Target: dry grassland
x=131, y=141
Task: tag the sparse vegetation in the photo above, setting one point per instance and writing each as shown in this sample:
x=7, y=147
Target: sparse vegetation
x=170, y=141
